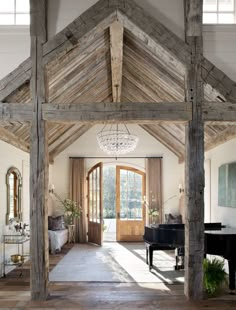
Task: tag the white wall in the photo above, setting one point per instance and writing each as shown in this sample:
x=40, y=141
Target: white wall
x=14, y=48
x=11, y=156
x=220, y=155
x=87, y=146
x=220, y=47
x=168, y=12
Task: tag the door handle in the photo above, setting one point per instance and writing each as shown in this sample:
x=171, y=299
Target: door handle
x=118, y=215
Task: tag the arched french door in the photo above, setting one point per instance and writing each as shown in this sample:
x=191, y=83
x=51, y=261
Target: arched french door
x=95, y=218
x=131, y=213
x=130, y=210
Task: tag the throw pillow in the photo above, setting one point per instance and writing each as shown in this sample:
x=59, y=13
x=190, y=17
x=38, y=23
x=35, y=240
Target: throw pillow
x=173, y=219
x=56, y=223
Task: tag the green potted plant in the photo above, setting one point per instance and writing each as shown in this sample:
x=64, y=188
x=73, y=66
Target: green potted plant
x=214, y=279
x=70, y=208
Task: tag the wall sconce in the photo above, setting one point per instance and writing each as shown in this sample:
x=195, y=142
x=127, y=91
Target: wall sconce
x=51, y=189
x=181, y=189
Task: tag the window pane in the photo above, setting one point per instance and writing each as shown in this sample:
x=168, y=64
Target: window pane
x=209, y=18
x=130, y=195
x=22, y=6
x=225, y=18
x=209, y=5
x=226, y=5
x=6, y=19
x=22, y=19
x=7, y=6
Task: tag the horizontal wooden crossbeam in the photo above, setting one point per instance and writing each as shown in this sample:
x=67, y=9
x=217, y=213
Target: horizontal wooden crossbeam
x=135, y=112
x=15, y=112
x=118, y=112
x=219, y=111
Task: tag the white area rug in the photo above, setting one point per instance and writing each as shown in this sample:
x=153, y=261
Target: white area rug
x=115, y=262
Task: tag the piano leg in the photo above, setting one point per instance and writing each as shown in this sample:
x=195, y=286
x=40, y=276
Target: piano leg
x=149, y=255
x=147, y=246
x=232, y=267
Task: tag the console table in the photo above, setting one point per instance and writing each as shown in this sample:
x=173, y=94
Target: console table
x=20, y=242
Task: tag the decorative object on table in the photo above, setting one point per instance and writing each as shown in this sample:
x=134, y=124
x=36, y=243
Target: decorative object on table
x=16, y=258
x=153, y=209
x=215, y=277
x=153, y=216
x=115, y=139
x=70, y=208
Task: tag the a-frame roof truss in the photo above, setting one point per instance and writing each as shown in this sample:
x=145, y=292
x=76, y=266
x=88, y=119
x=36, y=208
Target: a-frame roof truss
x=78, y=64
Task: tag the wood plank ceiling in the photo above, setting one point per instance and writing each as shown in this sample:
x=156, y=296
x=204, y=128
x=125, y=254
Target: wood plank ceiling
x=83, y=74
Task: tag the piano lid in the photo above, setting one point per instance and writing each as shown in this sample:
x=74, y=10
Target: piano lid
x=223, y=231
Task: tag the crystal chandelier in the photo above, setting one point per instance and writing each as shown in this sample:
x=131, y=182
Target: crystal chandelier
x=116, y=141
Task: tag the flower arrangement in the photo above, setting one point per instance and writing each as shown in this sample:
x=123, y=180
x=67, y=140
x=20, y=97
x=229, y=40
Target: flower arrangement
x=71, y=209
x=153, y=208
x=153, y=212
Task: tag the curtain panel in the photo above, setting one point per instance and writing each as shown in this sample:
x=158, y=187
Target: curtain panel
x=77, y=193
x=154, y=188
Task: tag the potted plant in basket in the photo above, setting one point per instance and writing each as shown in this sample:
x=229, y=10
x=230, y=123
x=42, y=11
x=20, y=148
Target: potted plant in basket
x=215, y=277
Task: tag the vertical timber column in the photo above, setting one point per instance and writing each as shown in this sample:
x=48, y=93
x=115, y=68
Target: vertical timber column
x=194, y=164
x=38, y=156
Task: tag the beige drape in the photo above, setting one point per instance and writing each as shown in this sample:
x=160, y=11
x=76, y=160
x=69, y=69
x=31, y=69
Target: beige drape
x=77, y=193
x=154, y=185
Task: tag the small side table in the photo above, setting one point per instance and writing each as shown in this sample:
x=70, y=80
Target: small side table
x=71, y=233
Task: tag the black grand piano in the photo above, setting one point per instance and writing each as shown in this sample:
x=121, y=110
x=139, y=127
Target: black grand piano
x=218, y=241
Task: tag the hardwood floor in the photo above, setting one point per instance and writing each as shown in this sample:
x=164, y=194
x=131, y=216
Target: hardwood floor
x=15, y=294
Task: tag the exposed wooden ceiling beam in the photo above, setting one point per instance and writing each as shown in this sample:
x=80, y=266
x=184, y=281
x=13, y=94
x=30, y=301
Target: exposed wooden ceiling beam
x=222, y=137
x=67, y=139
x=116, y=48
x=15, y=111
x=124, y=112
x=219, y=111
x=10, y=138
x=15, y=79
x=146, y=111
x=153, y=34
x=165, y=138
x=82, y=30
x=218, y=80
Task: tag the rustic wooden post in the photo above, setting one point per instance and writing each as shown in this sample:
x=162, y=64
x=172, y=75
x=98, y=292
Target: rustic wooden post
x=194, y=164
x=38, y=157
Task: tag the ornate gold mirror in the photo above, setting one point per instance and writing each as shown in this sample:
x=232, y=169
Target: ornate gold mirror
x=14, y=194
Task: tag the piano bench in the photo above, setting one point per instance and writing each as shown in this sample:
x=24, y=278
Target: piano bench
x=150, y=248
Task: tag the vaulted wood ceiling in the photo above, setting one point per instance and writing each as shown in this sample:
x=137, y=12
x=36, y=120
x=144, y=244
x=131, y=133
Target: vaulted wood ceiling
x=82, y=74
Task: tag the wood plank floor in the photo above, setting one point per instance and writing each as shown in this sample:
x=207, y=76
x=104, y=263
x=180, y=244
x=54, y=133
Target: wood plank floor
x=15, y=294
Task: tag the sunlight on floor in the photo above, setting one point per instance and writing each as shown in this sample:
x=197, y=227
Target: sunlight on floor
x=115, y=262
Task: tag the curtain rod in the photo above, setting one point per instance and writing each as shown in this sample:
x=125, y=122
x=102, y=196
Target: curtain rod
x=110, y=157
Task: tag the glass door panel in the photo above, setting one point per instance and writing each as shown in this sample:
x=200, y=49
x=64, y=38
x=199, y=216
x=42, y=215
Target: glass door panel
x=129, y=204
x=95, y=204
